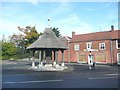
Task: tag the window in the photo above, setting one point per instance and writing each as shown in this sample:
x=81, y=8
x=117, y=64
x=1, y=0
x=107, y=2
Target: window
x=118, y=58
x=118, y=44
x=102, y=46
x=76, y=47
x=89, y=45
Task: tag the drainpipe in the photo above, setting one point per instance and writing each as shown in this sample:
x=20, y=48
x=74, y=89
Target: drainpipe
x=111, y=50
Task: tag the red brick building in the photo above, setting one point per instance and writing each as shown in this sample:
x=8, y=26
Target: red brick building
x=104, y=47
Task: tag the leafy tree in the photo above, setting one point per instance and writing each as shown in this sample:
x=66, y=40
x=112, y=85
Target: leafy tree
x=30, y=33
x=56, y=31
x=17, y=39
x=28, y=36
x=8, y=49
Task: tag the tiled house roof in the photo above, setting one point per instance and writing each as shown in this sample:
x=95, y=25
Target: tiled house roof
x=114, y=34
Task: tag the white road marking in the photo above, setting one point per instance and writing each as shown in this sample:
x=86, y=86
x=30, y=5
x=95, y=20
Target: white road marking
x=101, y=78
x=112, y=74
x=32, y=81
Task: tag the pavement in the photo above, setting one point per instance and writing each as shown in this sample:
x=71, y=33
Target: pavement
x=15, y=74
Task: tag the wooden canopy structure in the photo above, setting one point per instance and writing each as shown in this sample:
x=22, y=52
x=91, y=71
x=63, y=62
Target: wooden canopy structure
x=48, y=42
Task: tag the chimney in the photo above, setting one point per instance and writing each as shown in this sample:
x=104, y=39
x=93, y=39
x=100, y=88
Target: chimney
x=73, y=34
x=112, y=28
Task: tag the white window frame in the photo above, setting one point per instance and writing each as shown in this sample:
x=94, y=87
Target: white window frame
x=117, y=44
x=118, y=62
x=89, y=43
x=76, y=47
x=100, y=44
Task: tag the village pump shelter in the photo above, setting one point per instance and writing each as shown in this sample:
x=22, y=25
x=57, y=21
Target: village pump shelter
x=45, y=44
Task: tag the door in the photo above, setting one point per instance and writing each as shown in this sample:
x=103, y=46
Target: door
x=90, y=59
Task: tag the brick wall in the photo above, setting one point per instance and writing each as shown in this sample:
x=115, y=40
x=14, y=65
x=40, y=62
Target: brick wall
x=100, y=56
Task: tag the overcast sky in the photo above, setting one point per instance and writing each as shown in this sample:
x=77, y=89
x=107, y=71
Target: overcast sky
x=81, y=17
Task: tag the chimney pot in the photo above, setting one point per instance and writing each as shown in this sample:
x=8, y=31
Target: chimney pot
x=112, y=28
x=73, y=34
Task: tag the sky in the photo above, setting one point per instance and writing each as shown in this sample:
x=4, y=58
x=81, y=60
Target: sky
x=80, y=17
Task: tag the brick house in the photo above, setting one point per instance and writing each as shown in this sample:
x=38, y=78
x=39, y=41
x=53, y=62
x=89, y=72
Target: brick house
x=103, y=46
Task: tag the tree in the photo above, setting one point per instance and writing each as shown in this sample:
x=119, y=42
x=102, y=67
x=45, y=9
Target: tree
x=8, y=50
x=56, y=31
x=28, y=36
x=16, y=39
x=30, y=33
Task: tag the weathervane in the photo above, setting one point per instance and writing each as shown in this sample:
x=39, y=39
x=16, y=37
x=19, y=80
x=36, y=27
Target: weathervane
x=48, y=22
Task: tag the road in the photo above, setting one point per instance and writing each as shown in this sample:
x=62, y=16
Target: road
x=17, y=75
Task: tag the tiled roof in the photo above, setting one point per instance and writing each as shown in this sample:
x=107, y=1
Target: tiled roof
x=68, y=38
x=96, y=36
